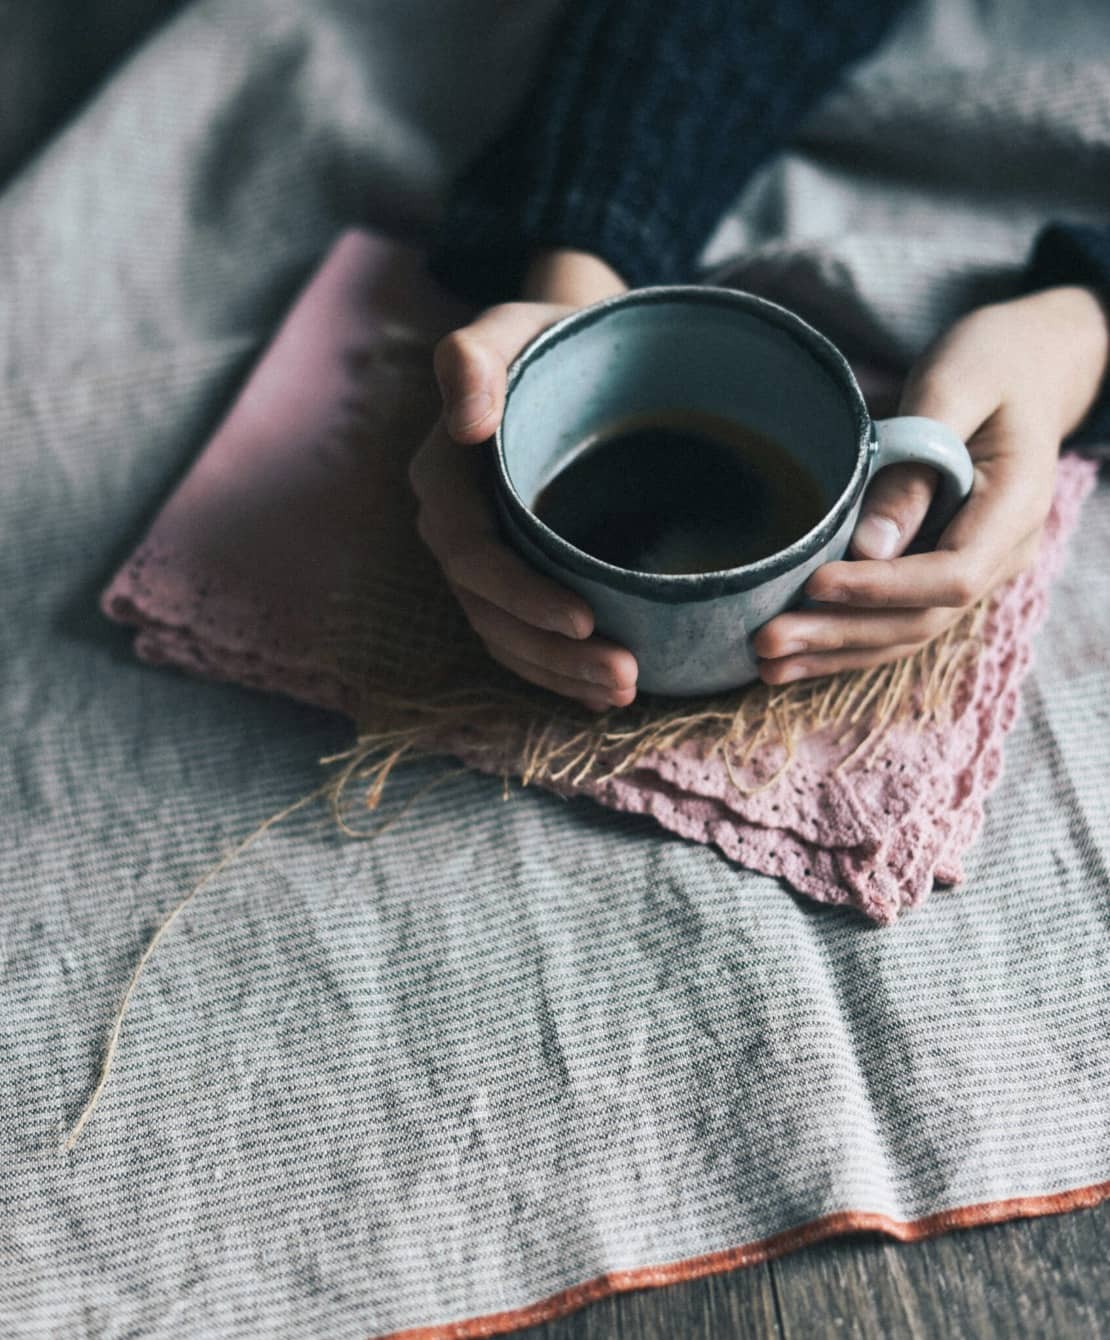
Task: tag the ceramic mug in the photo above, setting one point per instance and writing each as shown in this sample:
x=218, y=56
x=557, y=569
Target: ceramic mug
x=721, y=352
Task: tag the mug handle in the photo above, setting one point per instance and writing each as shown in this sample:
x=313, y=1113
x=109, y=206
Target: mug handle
x=912, y=439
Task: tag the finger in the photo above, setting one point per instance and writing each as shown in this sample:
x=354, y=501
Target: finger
x=594, y=697
x=457, y=523
x=893, y=510
x=1008, y=503
x=448, y=483
x=489, y=569
x=849, y=629
x=918, y=581
x=596, y=662
x=471, y=364
x=791, y=668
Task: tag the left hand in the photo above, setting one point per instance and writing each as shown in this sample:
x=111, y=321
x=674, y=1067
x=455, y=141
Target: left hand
x=533, y=626
x=1012, y=380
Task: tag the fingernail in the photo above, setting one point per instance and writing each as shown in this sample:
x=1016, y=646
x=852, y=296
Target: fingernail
x=833, y=595
x=600, y=674
x=877, y=536
x=563, y=621
x=468, y=411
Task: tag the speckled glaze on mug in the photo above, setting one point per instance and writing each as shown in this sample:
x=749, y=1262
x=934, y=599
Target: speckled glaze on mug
x=721, y=352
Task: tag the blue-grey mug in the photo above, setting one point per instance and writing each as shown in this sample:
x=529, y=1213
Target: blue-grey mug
x=734, y=356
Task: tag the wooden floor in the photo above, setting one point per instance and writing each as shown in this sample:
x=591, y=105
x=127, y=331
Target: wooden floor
x=1046, y=1278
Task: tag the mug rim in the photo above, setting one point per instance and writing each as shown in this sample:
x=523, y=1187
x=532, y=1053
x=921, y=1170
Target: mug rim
x=674, y=587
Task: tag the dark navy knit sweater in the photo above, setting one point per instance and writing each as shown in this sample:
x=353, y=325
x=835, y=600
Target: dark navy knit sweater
x=645, y=121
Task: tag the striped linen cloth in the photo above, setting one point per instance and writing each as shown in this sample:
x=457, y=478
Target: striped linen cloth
x=513, y=1054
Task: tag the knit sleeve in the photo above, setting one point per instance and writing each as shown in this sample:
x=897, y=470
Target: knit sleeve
x=1073, y=253
x=642, y=127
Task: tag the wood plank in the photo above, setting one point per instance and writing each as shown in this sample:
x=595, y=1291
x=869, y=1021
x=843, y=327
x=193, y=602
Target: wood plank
x=740, y=1304
x=1047, y=1277
x=1040, y=1277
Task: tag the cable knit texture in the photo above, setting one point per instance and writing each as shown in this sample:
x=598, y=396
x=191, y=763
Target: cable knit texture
x=645, y=122
x=299, y=508
x=649, y=118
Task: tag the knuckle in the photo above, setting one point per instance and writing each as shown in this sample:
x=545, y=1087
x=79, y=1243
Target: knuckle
x=452, y=353
x=450, y=346
x=863, y=591
x=772, y=642
x=828, y=637
x=912, y=489
x=963, y=588
x=876, y=589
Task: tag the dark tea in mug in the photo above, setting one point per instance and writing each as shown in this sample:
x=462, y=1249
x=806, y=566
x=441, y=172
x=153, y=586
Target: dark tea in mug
x=680, y=491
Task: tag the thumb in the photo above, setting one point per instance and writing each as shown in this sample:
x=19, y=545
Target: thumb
x=471, y=364
x=899, y=496
x=893, y=510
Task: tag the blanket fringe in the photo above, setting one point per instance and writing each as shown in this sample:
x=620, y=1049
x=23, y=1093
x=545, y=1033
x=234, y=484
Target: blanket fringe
x=513, y=730
x=565, y=746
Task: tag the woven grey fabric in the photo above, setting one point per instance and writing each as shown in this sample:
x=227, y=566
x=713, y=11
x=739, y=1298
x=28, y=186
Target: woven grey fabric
x=511, y=1044
x=915, y=190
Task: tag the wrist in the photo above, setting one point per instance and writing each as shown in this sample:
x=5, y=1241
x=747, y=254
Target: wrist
x=576, y=278
x=1084, y=317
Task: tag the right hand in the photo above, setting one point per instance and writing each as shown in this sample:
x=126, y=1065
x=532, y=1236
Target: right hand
x=531, y=625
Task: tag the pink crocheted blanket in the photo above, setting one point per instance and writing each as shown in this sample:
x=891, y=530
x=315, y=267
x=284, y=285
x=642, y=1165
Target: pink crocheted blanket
x=284, y=508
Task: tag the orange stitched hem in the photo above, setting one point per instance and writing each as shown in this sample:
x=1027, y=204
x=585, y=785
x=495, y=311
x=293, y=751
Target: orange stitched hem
x=753, y=1253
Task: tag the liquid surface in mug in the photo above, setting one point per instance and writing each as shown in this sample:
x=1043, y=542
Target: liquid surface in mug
x=680, y=492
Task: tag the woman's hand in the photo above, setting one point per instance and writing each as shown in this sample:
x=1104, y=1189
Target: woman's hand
x=529, y=623
x=1012, y=380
